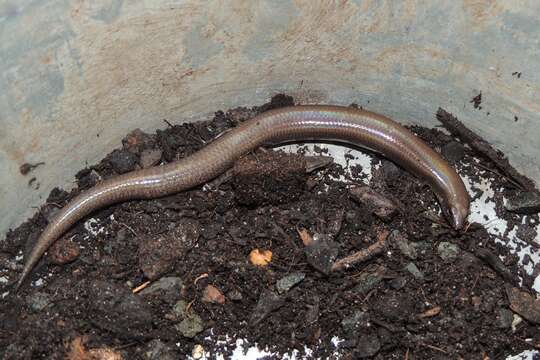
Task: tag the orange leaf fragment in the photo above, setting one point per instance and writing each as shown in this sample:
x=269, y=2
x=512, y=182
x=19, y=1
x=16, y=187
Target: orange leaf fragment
x=260, y=257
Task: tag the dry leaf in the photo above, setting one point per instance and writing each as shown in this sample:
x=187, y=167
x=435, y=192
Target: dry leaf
x=307, y=239
x=260, y=257
x=213, y=295
x=430, y=312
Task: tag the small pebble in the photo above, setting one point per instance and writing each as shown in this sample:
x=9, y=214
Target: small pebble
x=38, y=301
x=356, y=320
x=190, y=326
x=414, y=270
x=368, y=281
x=403, y=244
x=235, y=295
x=505, y=318
x=447, y=251
x=286, y=283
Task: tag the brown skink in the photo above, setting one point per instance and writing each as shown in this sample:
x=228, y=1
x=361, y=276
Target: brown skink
x=310, y=122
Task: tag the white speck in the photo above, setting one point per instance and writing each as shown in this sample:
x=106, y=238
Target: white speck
x=92, y=226
x=38, y=282
x=5, y=294
x=19, y=257
x=3, y=280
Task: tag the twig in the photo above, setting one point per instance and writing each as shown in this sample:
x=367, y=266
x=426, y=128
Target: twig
x=455, y=127
x=200, y=277
x=433, y=347
x=141, y=287
x=363, y=255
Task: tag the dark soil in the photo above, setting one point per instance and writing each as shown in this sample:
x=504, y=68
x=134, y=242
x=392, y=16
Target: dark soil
x=433, y=294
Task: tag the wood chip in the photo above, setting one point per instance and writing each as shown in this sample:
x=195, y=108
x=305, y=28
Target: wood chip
x=430, y=312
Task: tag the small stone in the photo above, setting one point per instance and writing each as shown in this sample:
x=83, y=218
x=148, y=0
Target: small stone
x=524, y=304
x=190, y=326
x=286, y=283
x=358, y=319
x=268, y=302
x=403, y=244
x=398, y=283
x=453, y=151
x=158, y=350
x=38, y=301
x=368, y=345
x=504, y=318
x=179, y=309
x=414, y=270
x=64, y=251
x=213, y=295
x=524, y=203
x=167, y=288
x=122, y=161
x=380, y=205
x=368, y=281
x=448, y=251
x=197, y=352
x=235, y=295
x=116, y=309
x=150, y=157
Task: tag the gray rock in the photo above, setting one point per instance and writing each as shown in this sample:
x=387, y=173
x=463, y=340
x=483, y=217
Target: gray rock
x=504, y=318
x=179, y=309
x=415, y=271
x=190, y=326
x=368, y=345
x=358, y=319
x=235, y=295
x=448, y=251
x=116, y=309
x=167, y=288
x=286, y=283
x=398, y=283
x=405, y=247
x=38, y=301
x=524, y=203
x=268, y=302
x=368, y=281
x=158, y=350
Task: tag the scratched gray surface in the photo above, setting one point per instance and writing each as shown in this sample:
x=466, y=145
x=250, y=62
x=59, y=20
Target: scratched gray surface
x=75, y=76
